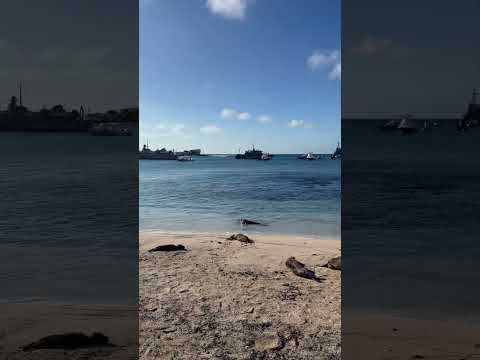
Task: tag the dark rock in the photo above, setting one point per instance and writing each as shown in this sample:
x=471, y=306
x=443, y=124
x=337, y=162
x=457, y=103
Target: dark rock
x=334, y=263
x=241, y=238
x=299, y=269
x=168, y=247
x=69, y=341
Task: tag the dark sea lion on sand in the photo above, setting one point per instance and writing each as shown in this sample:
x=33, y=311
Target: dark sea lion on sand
x=168, y=247
x=69, y=341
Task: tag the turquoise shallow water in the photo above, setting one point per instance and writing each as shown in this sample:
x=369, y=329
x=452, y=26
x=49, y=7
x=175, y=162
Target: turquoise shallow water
x=213, y=193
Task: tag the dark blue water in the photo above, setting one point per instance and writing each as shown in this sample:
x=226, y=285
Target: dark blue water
x=410, y=221
x=211, y=194
x=69, y=218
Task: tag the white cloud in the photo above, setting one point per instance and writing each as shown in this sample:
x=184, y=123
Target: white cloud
x=244, y=116
x=166, y=130
x=229, y=9
x=210, y=129
x=264, y=119
x=296, y=123
x=330, y=59
x=336, y=72
x=228, y=113
x=232, y=114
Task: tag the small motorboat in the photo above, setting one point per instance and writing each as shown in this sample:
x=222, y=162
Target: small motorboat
x=266, y=156
x=408, y=125
x=390, y=125
x=185, y=158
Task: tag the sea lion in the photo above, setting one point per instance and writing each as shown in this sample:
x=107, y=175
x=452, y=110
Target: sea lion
x=168, y=247
x=69, y=341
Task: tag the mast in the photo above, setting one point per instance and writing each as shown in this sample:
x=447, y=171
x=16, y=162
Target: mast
x=20, y=93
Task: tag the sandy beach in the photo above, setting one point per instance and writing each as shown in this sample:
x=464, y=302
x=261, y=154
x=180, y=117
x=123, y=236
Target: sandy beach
x=228, y=300
x=21, y=324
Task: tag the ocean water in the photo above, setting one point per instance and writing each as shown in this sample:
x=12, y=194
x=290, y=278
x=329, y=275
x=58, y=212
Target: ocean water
x=212, y=194
x=410, y=221
x=69, y=218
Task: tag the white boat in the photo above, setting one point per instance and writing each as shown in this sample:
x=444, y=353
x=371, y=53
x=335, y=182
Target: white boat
x=408, y=125
x=185, y=158
x=266, y=156
x=310, y=156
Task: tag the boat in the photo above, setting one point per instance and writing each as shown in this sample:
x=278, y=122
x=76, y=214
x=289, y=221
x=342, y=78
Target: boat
x=266, y=156
x=162, y=154
x=109, y=129
x=391, y=125
x=471, y=118
x=253, y=154
x=307, y=156
x=408, y=125
x=184, y=158
x=337, y=153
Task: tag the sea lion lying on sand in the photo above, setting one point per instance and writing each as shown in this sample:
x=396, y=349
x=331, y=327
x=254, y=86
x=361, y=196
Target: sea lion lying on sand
x=334, y=263
x=168, y=247
x=242, y=238
x=299, y=269
x=69, y=341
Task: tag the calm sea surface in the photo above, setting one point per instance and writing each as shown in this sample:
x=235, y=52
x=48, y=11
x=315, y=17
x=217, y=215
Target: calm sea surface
x=212, y=194
x=69, y=218
x=410, y=221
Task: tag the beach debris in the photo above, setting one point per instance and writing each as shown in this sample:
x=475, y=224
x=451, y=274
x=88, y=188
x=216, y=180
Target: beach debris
x=249, y=222
x=268, y=342
x=334, y=263
x=241, y=238
x=72, y=340
x=168, y=247
x=299, y=269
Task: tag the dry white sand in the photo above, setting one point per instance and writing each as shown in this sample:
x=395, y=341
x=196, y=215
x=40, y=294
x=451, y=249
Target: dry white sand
x=21, y=324
x=227, y=300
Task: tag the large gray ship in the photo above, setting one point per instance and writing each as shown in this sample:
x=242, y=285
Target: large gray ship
x=162, y=154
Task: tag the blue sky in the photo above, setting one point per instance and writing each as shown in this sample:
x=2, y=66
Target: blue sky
x=222, y=75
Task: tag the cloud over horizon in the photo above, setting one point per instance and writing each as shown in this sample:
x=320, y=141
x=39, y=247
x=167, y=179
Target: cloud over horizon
x=329, y=59
x=228, y=9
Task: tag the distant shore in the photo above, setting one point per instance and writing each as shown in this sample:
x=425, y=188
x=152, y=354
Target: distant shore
x=226, y=299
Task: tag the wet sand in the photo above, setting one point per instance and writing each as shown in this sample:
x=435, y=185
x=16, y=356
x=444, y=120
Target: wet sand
x=379, y=336
x=228, y=300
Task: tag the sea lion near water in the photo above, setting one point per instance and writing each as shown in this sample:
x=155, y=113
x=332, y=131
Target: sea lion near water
x=242, y=238
x=69, y=341
x=250, y=222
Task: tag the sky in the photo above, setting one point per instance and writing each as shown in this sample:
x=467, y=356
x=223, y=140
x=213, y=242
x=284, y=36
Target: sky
x=223, y=75
x=70, y=52
x=417, y=57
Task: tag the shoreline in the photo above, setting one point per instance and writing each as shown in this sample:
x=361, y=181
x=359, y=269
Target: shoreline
x=226, y=299
x=293, y=237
